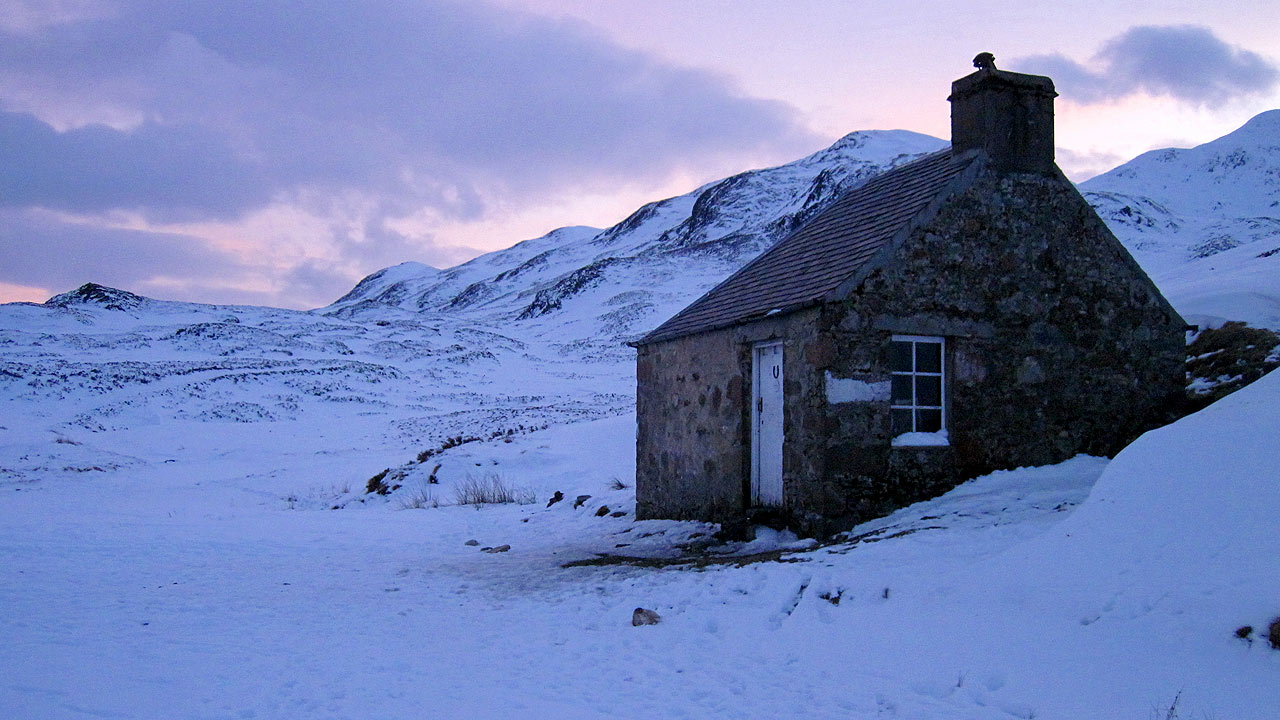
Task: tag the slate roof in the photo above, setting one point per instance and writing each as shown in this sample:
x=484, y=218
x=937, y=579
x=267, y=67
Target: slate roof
x=811, y=262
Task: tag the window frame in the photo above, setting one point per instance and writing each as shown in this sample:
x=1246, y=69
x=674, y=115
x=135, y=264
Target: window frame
x=913, y=373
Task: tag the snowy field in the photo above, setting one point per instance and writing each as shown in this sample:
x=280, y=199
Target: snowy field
x=196, y=584
x=185, y=532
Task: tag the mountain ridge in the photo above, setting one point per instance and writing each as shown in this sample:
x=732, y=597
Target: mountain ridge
x=711, y=221
x=536, y=333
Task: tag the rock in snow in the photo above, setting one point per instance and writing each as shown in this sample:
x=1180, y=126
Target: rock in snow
x=643, y=616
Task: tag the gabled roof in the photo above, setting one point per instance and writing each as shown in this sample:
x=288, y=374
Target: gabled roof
x=813, y=261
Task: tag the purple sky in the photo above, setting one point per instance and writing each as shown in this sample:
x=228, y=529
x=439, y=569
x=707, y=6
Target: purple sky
x=275, y=152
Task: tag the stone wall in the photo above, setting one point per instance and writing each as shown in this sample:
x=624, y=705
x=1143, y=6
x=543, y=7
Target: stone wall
x=1057, y=344
x=693, y=435
x=690, y=394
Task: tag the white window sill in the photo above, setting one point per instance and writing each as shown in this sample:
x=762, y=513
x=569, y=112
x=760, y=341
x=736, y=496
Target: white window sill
x=922, y=439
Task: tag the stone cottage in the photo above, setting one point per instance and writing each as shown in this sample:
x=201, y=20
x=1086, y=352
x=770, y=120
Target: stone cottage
x=960, y=314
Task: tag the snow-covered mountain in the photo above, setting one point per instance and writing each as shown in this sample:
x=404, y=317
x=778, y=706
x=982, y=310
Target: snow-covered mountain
x=588, y=290
x=1174, y=194
x=1204, y=222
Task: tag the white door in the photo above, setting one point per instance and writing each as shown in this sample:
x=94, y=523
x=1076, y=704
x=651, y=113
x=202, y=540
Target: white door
x=766, y=425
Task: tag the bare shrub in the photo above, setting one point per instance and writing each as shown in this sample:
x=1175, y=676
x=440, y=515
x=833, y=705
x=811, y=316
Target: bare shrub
x=618, y=485
x=1160, y=712
x=376, y=484
x=1273, y=634
x=419, y=499
x=456, y=440
x=491, y=489
x=1223, y=360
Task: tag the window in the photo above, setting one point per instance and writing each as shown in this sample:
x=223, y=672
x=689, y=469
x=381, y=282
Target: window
x=917, y=404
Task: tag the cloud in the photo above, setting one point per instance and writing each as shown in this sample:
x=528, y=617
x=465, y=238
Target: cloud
x=1080, y=165
x=1185, y=62
x=379, y=246
x=31, y=15
x=41, y=249
x=322, y=140
x=179, y=172
x=50, y=250
x=234, y=105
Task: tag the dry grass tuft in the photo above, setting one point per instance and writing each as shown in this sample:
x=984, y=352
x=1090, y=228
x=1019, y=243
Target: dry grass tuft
x=491, y=489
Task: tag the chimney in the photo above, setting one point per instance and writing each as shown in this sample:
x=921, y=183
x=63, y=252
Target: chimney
x=1009, y=115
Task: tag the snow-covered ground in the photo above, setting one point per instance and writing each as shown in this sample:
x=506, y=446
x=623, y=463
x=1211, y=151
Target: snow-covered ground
x=185, y=532
x=191, y=586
